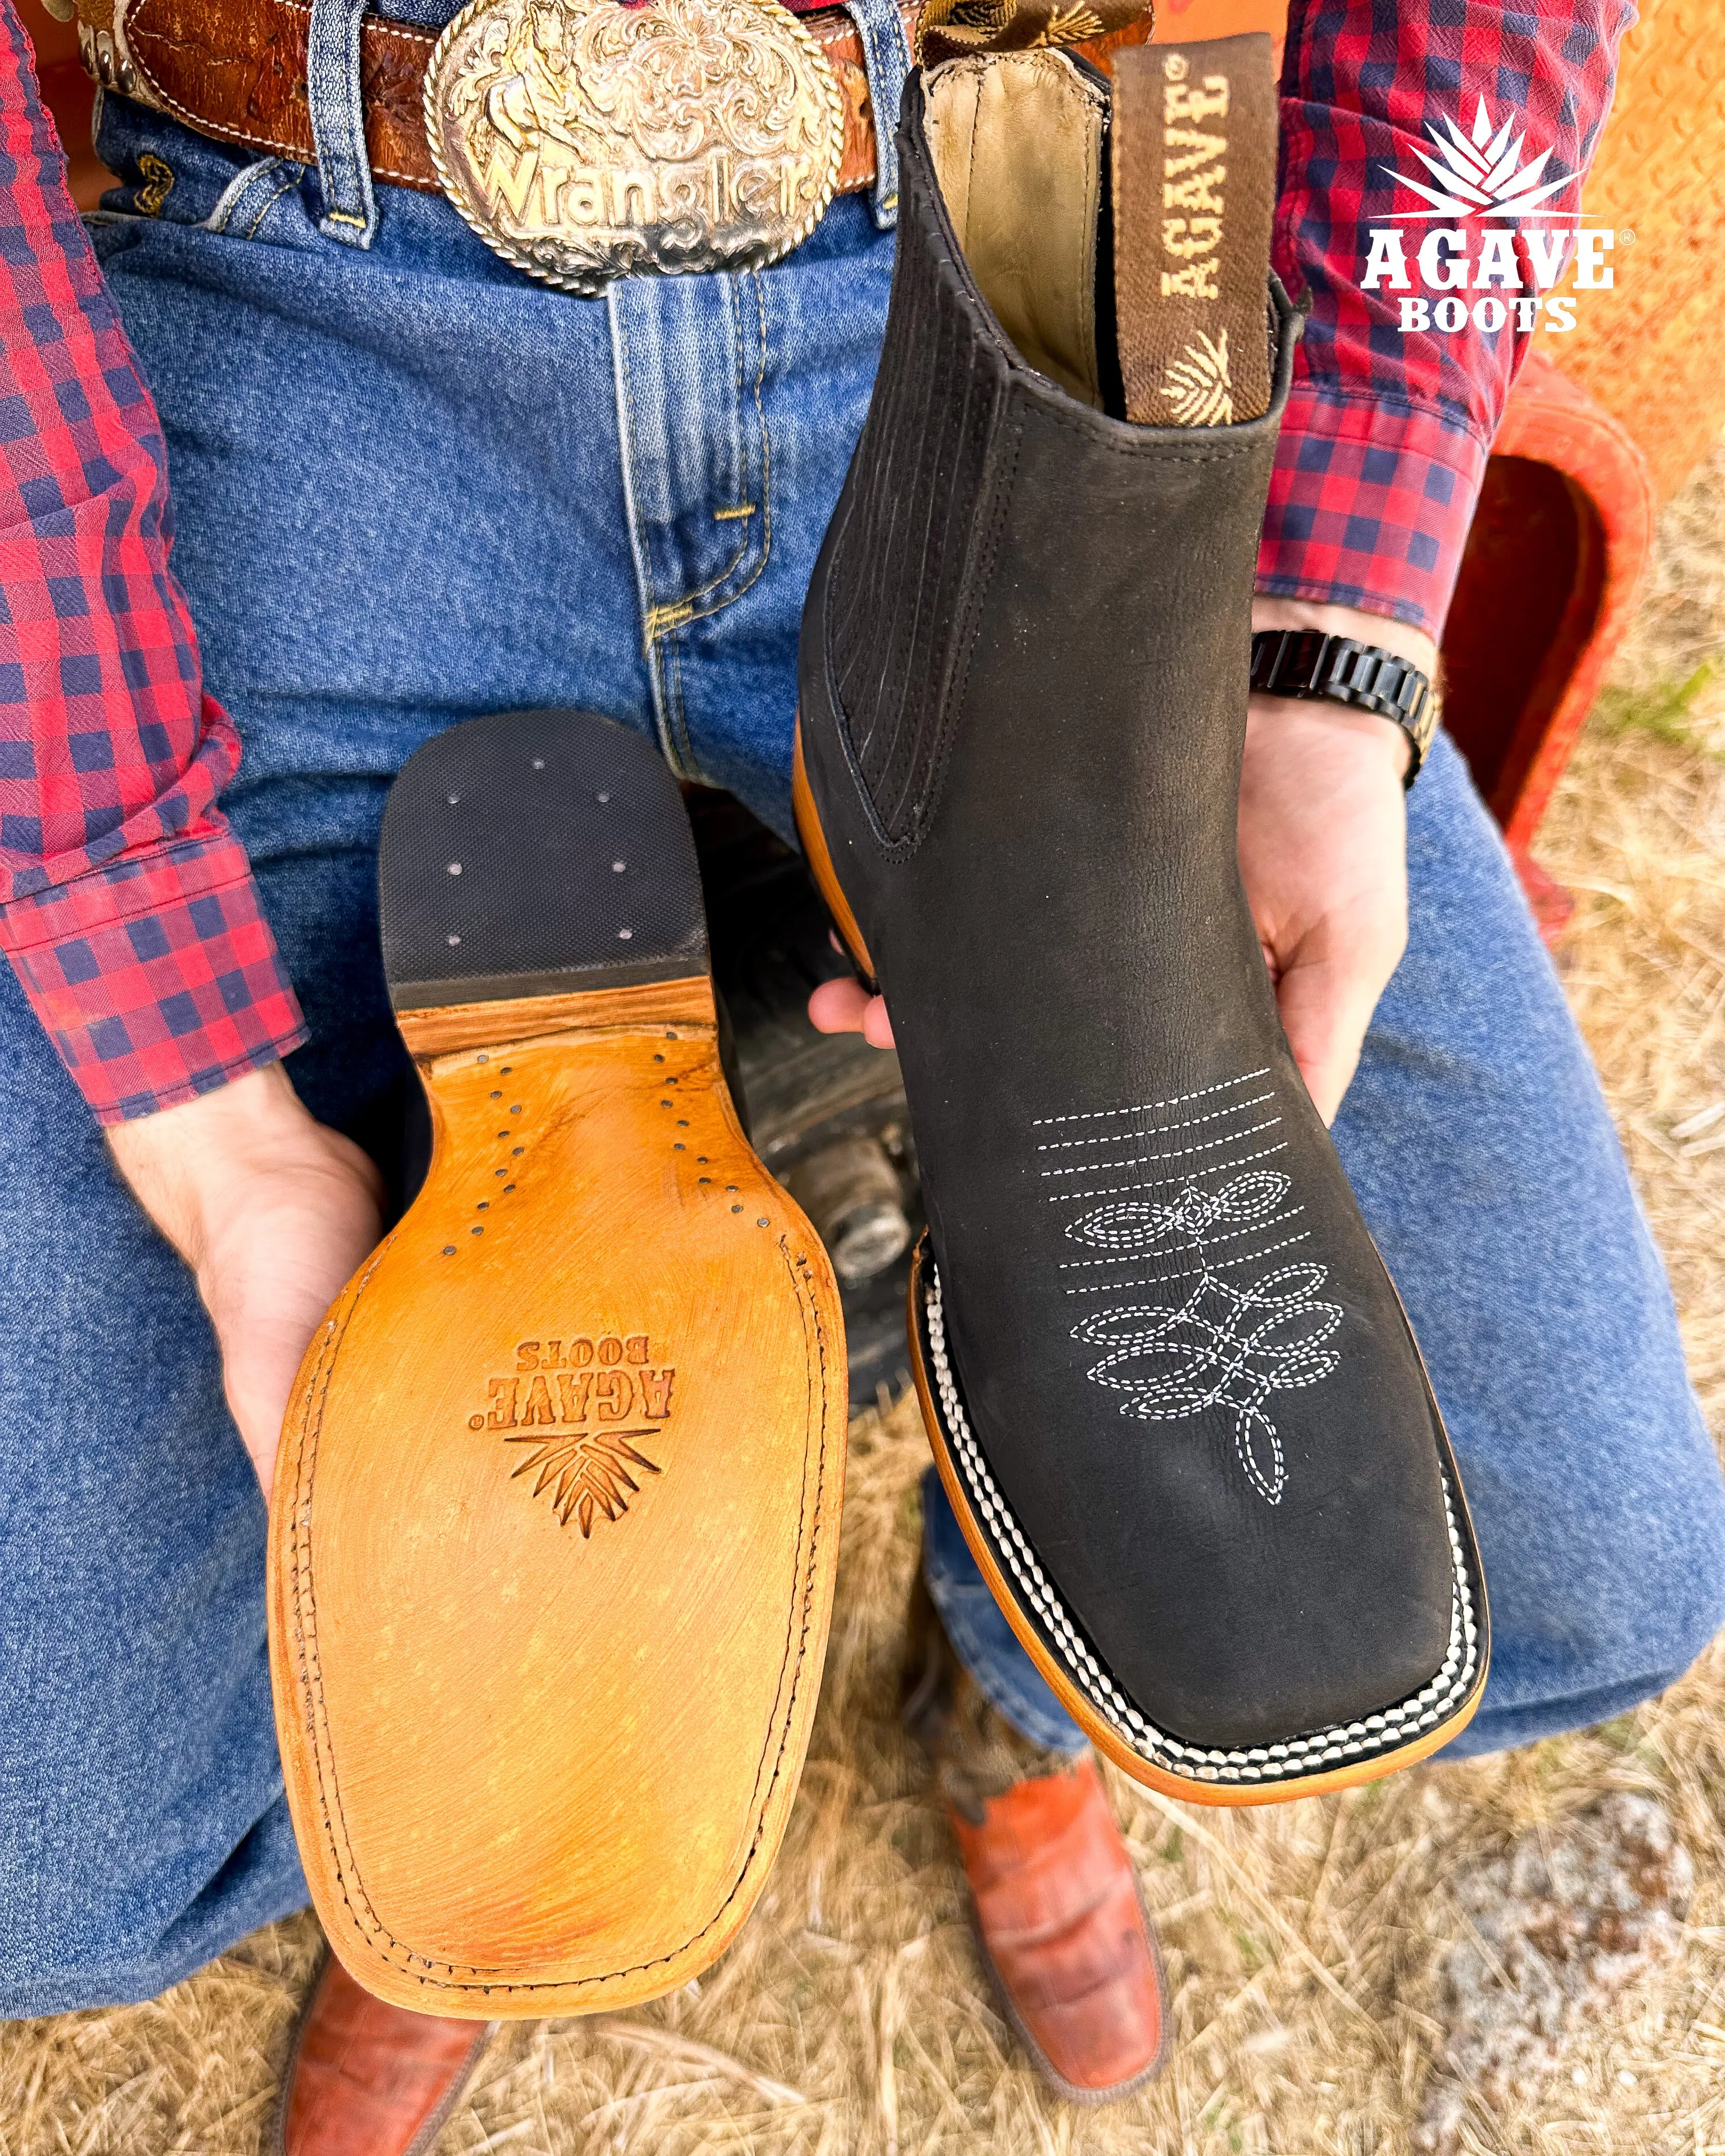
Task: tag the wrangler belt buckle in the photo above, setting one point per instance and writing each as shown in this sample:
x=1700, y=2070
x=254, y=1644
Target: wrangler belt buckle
x=585, y=140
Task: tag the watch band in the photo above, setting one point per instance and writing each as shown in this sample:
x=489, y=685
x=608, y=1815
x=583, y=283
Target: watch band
x=1319, y=668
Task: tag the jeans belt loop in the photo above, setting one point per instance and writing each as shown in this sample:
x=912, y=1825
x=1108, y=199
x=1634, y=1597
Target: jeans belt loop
x=881, y=28
x=338, y=122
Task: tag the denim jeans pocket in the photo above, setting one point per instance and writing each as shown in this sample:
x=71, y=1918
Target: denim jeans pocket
x=172, y=175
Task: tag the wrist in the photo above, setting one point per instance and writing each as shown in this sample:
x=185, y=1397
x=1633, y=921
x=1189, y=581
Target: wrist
x=184, y=1164
x=1381, y=630
x=1372, y=733
x=1298, y=732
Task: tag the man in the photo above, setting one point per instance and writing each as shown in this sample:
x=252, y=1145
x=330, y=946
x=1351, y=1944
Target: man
x=412, y=484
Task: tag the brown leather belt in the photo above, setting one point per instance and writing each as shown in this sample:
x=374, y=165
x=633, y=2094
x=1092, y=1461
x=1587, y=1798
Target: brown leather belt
x=236, y=69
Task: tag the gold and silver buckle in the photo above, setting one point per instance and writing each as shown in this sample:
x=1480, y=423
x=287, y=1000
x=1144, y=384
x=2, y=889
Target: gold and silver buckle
x=585, y=140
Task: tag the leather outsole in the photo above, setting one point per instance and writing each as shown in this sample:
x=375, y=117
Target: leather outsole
x=556, y=1510
x=1339, y=1758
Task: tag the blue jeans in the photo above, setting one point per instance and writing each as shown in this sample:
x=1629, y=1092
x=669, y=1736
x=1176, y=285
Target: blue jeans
x=411, y=487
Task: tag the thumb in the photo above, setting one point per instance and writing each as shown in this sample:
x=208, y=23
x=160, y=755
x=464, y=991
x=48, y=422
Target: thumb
x=1325, y=1007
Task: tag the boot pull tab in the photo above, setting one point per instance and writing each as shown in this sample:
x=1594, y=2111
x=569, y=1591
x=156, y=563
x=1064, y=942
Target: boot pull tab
x=1194, y=149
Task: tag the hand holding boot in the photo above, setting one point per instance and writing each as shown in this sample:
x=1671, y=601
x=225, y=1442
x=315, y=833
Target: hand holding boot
x=1322, y=855
x=1323, y=851
x=272, y=1211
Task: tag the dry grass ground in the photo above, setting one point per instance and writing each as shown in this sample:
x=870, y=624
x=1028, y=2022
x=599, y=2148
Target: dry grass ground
x=1304, y=1944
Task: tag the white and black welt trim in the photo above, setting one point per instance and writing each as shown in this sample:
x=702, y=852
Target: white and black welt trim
x=1396, y=1726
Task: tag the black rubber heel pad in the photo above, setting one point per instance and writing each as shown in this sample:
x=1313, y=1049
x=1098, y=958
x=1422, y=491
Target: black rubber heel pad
x=535, y=853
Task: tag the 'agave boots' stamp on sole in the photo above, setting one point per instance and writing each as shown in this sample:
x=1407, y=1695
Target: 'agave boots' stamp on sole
x=556, y=1510
x=1172, y=1395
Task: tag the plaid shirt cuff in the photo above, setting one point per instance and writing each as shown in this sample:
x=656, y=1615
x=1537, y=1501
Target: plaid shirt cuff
x=1370, y=503
x=157, y=979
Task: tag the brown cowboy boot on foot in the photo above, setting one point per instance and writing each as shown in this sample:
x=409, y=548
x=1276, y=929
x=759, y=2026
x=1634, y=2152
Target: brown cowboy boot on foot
x=366, y=2079
x=1055, y=1902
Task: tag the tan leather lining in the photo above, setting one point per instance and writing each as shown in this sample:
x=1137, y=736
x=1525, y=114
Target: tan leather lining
x=1016, y=141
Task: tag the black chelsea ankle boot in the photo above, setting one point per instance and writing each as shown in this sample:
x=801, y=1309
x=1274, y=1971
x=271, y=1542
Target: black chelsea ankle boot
x=1169, y=1384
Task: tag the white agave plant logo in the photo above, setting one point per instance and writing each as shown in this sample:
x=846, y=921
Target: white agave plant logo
x=1503, y=246
x=1486, y=173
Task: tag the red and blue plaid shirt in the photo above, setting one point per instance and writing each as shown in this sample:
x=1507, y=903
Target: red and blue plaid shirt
x=127, y=908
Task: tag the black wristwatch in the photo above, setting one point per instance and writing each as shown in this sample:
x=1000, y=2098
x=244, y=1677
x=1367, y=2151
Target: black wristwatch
x=1308, y=663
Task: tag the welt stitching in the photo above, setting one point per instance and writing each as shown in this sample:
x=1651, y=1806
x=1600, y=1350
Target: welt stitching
x=801, y=1514
x=312, y=1670
x=807, y=1299
x=811, y=1308
x=1397, y=1720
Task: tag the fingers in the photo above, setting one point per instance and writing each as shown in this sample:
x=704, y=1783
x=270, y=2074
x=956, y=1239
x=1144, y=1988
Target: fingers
x=271, y=1295
x=846, y=1006
x=274, y=1259
x=1325, y=1029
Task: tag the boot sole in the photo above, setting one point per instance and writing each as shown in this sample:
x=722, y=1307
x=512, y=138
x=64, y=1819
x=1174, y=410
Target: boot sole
x=1206, y=1784
x=556, y=1517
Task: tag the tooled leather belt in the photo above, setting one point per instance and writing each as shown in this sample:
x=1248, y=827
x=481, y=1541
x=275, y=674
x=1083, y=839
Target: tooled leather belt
x=236, y=69
x=582, y=139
